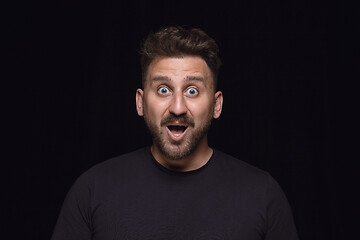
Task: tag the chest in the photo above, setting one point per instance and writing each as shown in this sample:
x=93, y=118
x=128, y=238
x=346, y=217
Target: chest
x=178, y=210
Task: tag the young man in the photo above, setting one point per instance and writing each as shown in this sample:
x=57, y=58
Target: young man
x=179, y=188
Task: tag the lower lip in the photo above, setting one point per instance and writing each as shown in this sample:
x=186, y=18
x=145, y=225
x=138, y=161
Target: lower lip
x=176, y=137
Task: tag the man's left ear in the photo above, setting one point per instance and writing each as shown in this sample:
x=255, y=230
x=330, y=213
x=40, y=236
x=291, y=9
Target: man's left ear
x=218, y=104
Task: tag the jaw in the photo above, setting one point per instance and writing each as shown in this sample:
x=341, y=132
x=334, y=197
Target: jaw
x=182, y=144
x=178, y=141
x=182, y=157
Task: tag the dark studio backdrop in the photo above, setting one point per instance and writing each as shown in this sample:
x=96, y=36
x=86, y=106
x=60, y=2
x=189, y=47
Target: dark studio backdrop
x=77, y=70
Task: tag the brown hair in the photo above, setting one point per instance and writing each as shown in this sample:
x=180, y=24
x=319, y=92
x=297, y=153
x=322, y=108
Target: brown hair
x=180, y=42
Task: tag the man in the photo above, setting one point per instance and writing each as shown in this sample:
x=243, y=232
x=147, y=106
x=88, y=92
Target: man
x=179, y=188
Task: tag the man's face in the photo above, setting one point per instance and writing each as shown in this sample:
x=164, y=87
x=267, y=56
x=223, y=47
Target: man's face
x=178, y=104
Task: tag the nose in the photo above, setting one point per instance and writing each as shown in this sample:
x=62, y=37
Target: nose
x=178, y=104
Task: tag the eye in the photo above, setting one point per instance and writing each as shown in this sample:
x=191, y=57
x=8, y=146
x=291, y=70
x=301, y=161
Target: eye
x=192, y=91
x=163, y=90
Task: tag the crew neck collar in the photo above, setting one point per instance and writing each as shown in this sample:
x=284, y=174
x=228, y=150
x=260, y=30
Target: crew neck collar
x=186, y=173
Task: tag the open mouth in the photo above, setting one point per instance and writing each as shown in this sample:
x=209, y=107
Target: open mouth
x=177, y=130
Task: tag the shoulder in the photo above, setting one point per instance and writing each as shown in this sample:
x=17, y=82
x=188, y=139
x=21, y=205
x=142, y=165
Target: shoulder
x=235, y=166
x=249, y=180
x=121, y=166
x=127, y=159
x=242, y=174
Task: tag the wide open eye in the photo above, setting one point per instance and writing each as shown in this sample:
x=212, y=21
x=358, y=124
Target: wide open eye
x=192, y=91
x=163, y=90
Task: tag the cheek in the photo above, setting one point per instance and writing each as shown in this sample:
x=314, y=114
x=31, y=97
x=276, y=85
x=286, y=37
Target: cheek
x=200, y=110
x=155, y=110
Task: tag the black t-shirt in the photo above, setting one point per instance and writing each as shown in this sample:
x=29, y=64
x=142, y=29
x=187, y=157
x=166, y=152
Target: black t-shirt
x=134, y=197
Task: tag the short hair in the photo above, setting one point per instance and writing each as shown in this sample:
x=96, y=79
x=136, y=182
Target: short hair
x=180, y=42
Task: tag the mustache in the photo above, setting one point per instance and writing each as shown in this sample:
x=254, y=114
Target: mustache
x=181, y=119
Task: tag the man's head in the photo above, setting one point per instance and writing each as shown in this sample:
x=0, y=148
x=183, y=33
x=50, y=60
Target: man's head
x=178, y=100
x=180, y=42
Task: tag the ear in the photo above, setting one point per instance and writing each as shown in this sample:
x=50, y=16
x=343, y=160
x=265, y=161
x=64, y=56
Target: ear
x=218, y=104
x=139, y=102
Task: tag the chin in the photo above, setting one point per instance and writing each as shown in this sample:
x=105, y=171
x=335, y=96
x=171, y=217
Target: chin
x=175, y=151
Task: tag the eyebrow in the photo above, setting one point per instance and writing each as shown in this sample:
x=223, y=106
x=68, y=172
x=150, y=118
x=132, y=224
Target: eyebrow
x=187, y=78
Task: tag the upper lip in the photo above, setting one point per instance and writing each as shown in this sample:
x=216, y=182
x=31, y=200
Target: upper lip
x=179, y=124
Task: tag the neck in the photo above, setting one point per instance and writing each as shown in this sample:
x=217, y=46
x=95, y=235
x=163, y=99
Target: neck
x=198, y=158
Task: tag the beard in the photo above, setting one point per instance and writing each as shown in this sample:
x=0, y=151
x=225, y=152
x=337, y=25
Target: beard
x=176, y=150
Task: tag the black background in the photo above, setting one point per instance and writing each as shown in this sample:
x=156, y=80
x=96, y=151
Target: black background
x=74, y=69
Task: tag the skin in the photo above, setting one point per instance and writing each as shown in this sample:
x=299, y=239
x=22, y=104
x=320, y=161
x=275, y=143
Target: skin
x=179, y=91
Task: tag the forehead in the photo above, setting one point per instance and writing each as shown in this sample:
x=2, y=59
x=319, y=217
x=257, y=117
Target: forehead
x=176, y=68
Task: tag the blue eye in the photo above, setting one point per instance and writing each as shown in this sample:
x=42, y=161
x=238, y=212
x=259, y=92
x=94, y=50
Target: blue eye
x=192, y=91
x=163, y=90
